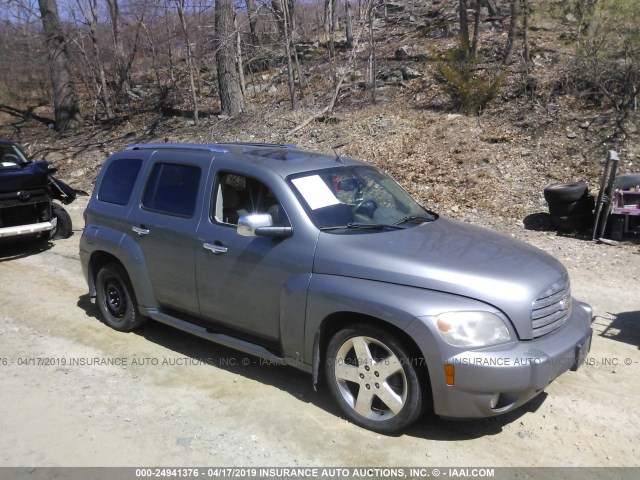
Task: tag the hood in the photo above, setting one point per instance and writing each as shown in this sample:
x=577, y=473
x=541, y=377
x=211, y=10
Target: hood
x=448, y=256
x=28, y=176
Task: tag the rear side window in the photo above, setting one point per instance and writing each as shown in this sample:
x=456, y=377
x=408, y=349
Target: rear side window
x=118, y=181
x=172, y=189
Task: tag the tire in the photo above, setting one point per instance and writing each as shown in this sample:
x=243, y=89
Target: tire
x=565, y=192
x=627, y=181
x=64, y=227
x=382, y=393
x=617, y=227
x=116, y=299
x=573, y=223
x=584, y=205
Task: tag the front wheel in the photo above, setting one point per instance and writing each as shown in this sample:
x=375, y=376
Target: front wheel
x=373, y=379
x=64, y=227
x=116, y=299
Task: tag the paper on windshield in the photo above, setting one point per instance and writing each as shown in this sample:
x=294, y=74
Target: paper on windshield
x=316, y=193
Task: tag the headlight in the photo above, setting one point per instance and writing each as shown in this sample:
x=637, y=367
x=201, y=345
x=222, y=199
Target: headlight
x=471, y=329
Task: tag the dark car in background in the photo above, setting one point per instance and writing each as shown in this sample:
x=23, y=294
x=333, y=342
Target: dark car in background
x=27, y=191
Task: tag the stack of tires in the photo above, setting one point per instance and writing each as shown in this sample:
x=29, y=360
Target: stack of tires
x=570, y=206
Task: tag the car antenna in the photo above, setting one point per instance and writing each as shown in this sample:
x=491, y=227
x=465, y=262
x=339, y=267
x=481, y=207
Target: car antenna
x=338, y=158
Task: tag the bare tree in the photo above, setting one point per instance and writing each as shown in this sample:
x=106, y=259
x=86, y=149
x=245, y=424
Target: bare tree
x=476, y=27
x=231, y=99
x=372, y=61
x=180, y=5
x=278, y=12
x=91, y=18
x=525, y=32
x=330, y=24
x=67, y=111
x=513, y=32
x=494, y=11
x=251, y=12
x=464, y=28
x=348, y=24
x=123, y=71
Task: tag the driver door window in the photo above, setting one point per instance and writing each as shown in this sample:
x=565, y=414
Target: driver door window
x=237, y=195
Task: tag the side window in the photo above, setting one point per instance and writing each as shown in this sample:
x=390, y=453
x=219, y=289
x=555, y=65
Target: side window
x=172, y=189
x=237, y=195
x=118, y=181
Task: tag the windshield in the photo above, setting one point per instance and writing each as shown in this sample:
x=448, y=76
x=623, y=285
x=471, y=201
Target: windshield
x=361, y=197
x=11, y=155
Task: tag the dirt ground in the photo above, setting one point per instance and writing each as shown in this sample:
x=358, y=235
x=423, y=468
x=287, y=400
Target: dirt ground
x=182, y=401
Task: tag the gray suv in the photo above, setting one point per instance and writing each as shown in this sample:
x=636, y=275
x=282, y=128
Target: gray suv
x=327, y=264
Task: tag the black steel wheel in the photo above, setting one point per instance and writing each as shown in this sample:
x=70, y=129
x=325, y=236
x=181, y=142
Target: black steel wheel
x=116, y=299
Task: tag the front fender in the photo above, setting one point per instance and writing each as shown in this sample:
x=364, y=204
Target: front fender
x=396, y=305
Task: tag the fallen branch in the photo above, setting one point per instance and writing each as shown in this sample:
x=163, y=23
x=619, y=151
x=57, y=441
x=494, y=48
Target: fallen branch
x=25, y=114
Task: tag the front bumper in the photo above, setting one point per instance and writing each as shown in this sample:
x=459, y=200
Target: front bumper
x=30, y=229
x=498, y=379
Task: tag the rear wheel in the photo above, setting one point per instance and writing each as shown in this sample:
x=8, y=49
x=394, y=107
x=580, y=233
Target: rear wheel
x=116, y=299
x=372, y=378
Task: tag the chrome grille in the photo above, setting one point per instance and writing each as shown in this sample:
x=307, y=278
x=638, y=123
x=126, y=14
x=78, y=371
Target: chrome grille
x=552, y=308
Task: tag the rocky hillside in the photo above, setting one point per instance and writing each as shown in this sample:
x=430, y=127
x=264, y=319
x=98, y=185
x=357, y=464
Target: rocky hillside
x=489, y=168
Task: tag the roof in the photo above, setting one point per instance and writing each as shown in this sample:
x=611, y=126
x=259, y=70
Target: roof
x=283, y=159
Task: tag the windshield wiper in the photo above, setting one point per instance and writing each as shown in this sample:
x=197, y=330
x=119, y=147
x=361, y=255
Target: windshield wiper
x=409, y=218
x=362, y=226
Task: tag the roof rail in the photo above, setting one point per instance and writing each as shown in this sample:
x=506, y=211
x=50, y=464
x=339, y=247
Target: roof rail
x=288, y=146
x=176, y=146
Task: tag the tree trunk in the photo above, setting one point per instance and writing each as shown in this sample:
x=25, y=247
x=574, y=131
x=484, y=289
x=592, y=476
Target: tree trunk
x=251, y=12
x=291, y=20
x=243, y=85
x=513, y=32
x=476, y=27
x=123, y=71
x=373, y=68
x=231, y=99
x=348, y=24
x=287, y=48
x=335, y=21
x=464, y=28
x=292, y=39
x=180, y=4
x=172, y=75
x=525, y=32
x=494, y=11
x=331, y=18
x=92, y=19
x=278, y=12
x=326, y=19
x=65, y=103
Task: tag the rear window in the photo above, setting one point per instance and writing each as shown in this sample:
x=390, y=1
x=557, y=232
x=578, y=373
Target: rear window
x=118, y=181
x=172, y=189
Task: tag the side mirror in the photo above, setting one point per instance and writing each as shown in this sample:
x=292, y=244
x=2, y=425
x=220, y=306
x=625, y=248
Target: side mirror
x=261, y=225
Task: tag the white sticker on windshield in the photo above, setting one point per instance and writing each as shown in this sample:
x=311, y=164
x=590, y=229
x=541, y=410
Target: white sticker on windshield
x=315, y=192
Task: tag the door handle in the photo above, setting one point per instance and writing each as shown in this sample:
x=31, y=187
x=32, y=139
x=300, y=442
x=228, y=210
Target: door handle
x=217, y=249
x=141, y=231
